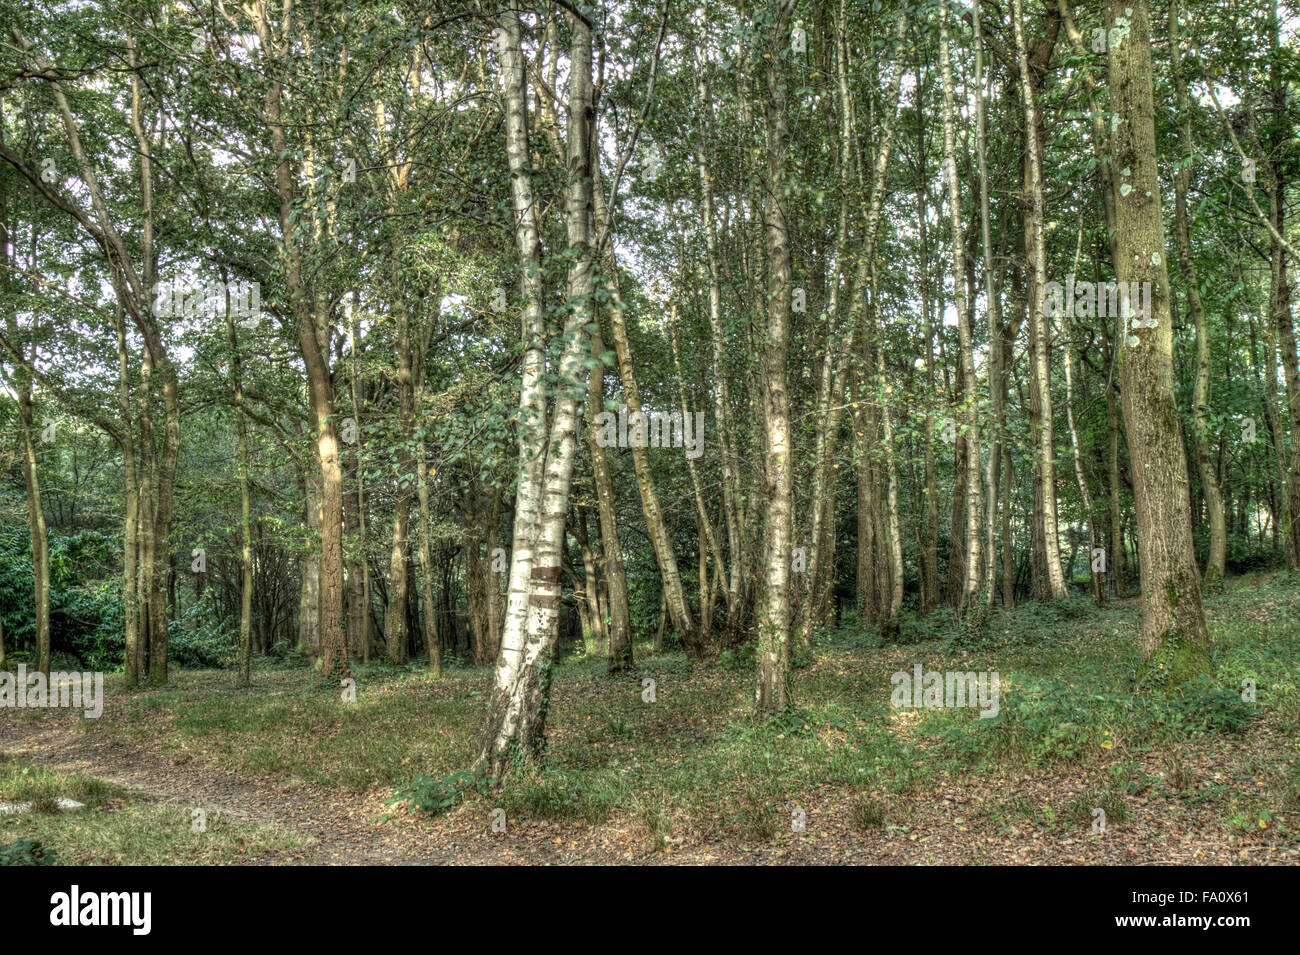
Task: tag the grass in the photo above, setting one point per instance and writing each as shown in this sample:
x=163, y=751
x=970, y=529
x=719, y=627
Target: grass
x=116, y=828
x=693, y=763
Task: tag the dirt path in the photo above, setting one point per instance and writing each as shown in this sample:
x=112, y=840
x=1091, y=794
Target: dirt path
x=944, y=826
x=340, y=829
x=330, y=828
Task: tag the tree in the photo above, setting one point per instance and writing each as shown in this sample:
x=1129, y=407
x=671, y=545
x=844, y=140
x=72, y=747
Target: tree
x=1175, y=643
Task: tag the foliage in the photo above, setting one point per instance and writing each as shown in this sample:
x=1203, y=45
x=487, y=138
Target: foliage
x=199, y=640
x=437, y=795
x=26, y=852
x=85, y=606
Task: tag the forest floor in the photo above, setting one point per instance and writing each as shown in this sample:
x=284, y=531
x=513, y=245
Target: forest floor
x=286, y=772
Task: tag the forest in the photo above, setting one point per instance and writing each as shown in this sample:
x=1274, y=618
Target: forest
x=621, y=431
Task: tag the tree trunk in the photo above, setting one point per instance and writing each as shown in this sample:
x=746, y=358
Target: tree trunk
x=1098, y=594
x=245, y=505
x=1175, y=643
x=773, y=689
x=134, y=662
x=358, y=566
x=973, y=503
x=35, y=524
x=997, y=388
x=395, y=623
x=309, y=592
x=731, y=491
x=1040, y=328
x=695, y=644
x=1214, y=567
x=620, y=622
x=516, y=722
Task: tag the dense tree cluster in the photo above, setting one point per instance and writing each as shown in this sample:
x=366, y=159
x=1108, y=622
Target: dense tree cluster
x=459, y=329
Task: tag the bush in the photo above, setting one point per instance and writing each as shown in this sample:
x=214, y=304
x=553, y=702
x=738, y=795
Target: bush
x=85, y=597
x=743, y=657
x=16, y=591
x=292, y=656
x=26, y=852
x=1292, y=798
x=1245, y=555
x=1205, y=704
x=198, y=641
x=435, y=796
x=1046, y=721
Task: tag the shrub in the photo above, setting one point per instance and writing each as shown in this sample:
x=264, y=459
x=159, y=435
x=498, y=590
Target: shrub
x=200, y=641
x=1292, y=799
x=435, y=796
x=26, y=852
x=1205, y=704
x=743, y=657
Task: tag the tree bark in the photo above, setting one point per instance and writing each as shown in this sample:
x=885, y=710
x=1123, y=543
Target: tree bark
x=245, y=504
x=772, y=693
x=972, y=572
x=618, y=629
x=1040, y=328
x=516, y=722
x=1215, y=564
x=1174, y=639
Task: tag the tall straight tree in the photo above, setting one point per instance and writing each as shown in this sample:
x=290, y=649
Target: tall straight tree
x=773, y=689
x=133, y=276
x=1205, y=465
x=974, y=508
x=516, y=721
x=276, y=39
x=1175, y=644
x=1040, y=326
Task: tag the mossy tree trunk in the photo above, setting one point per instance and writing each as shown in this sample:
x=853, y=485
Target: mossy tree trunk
x=1175, y=643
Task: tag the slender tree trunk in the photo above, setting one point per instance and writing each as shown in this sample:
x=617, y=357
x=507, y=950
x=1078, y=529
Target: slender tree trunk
x=134, y=663
x=21, y=381
x=1214, y=567
x=309, y=629
x=773, y=688
x=611, y=549
x=1008, y=543
x=358, y=566
x=395, y=629
x=973, y=502
x=245, y=505
x=588, y=596
x=313, y=344
x=1267, y=373
x=930, y=520
x=997, y=393
x=35, y=524
x=731, y=491
x=1040, y=327
x=1098, y=594
x=695, y=644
